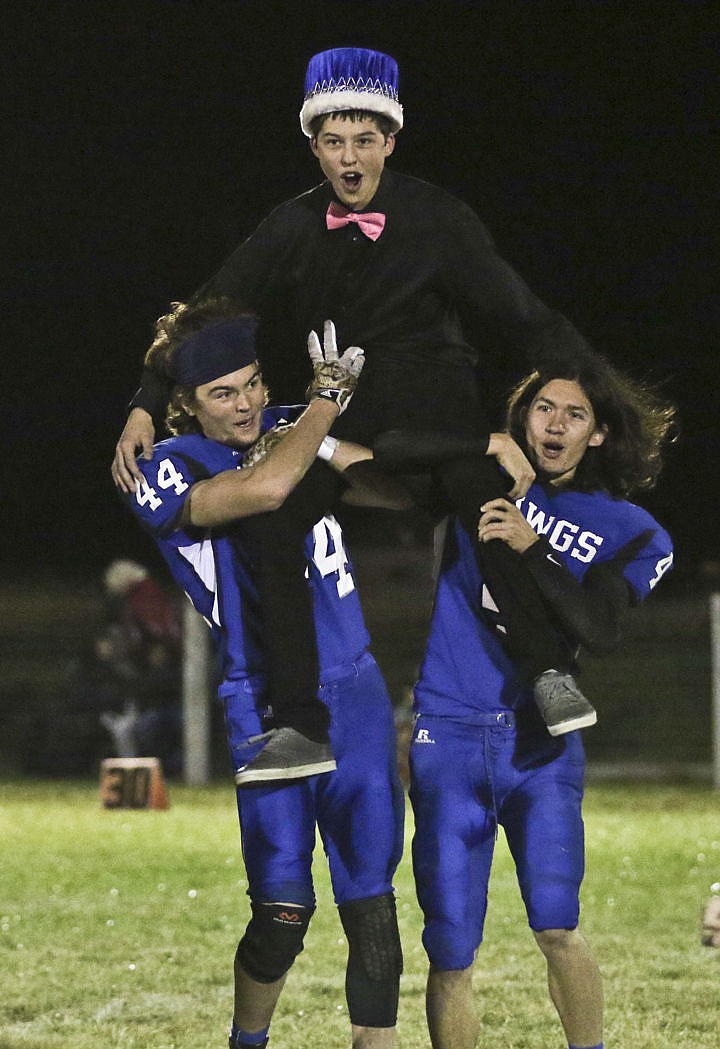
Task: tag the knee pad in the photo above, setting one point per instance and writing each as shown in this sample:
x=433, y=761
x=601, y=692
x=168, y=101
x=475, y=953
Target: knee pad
x=372, y=980
x=273, y=939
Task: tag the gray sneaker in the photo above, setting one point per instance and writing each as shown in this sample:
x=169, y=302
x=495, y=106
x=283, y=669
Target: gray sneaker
x=561, y=703
x=287, y=755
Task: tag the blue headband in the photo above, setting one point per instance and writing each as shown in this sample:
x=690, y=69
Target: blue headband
x=216, y=350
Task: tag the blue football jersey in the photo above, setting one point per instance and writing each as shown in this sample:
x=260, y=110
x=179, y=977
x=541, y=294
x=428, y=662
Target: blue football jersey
x=465, y=668
x=211, y=567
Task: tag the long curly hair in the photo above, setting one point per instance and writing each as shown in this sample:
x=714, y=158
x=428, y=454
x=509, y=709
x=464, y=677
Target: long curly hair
x=638, y=422
x=171, y=330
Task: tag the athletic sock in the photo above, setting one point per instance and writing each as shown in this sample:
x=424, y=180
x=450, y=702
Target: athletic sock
x=240, y=1039
x=598, y=1046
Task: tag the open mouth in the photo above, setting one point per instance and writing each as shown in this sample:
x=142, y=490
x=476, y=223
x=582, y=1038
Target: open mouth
x=244, y=424
x=351, y=180
x=552, y=449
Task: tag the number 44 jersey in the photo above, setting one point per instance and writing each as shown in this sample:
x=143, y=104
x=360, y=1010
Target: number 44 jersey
x=212, y=568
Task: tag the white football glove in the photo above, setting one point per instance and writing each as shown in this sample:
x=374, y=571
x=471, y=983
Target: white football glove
x=334, y=378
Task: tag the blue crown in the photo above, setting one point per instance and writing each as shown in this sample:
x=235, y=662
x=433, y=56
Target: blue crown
x=351, y=78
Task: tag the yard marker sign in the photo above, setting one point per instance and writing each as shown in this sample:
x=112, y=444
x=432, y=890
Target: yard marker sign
x=132, y=783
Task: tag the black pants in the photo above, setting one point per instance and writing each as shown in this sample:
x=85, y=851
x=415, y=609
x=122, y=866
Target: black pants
x=437, y=418
x=532, y=640
x=274, y=546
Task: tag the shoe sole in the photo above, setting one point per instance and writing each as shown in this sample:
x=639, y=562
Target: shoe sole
x=252, y=775
x=584, y=721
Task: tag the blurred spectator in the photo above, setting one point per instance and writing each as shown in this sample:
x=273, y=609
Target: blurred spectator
x=142, y=606
x=122, y=691
x=142, y=647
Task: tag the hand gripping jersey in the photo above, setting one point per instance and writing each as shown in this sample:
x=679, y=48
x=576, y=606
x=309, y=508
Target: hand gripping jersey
x=211, y=566
x=466, y=669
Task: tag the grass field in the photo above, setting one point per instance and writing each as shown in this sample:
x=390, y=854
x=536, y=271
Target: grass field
x=117, y=928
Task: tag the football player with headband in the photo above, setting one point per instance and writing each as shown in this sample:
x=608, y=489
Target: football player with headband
x=232, y=458
x=481, y=757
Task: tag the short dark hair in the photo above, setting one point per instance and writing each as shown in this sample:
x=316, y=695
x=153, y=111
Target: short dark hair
x=638, y=422
x=383, y=123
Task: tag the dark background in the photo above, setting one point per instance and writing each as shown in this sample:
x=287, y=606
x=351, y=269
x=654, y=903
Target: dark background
x=146, y=140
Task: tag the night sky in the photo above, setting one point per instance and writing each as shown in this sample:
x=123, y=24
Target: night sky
x=147, y=140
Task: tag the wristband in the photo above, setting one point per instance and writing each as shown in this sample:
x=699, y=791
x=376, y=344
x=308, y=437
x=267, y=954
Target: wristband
x=327, y=448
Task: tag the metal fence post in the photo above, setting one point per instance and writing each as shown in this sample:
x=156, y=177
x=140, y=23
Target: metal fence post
x=715, y=645
x=196, y=678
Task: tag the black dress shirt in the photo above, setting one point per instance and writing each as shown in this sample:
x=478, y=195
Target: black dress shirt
x=431, y=302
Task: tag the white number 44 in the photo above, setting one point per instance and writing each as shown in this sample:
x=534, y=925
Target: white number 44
x=168, y=476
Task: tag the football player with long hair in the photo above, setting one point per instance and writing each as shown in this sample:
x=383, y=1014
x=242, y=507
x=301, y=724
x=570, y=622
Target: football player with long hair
x=481, y=757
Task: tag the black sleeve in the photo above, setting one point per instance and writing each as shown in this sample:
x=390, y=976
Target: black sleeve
x=153, y=395
x=492, y=296
x=590, y=611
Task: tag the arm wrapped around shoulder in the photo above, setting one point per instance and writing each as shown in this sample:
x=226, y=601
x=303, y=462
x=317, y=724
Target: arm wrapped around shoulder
x=590, y=611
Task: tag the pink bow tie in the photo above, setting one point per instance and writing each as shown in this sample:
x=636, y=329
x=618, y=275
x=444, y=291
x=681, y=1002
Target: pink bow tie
x=371, y=223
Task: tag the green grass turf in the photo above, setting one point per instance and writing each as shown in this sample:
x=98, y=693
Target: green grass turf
x=117, y=928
